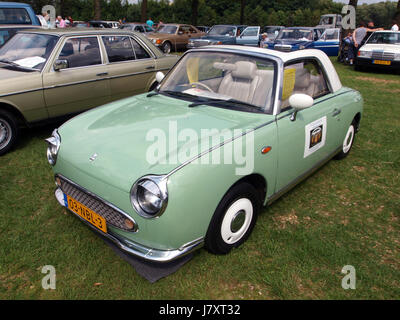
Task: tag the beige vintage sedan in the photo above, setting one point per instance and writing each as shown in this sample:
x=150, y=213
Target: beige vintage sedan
x=49, y=74
x=172, y=37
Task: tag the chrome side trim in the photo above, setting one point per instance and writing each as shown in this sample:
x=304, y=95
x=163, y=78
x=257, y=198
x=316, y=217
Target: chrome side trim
x=138, y=250
x=136, y=229
x=20, y=92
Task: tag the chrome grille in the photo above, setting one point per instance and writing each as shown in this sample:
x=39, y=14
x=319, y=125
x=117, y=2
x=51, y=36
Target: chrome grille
x=381, y=55
x=111, y=215
x=285, y=48
x=200, y=43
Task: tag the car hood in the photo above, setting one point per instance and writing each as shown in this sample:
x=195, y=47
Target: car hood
x=381, y=47
x=156, y=35
x=124, y=135
x=293, y=42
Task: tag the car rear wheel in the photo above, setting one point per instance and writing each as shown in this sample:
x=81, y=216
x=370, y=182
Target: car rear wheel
x=8, y=131
x=347, y=142
x=166, y=47
x=233, y=220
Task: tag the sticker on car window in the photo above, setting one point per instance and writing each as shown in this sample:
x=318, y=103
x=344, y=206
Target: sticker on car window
x=315, y=136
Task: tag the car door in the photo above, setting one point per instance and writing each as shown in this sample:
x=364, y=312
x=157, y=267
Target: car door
x=311, y=137
x=83, y=84
x=249, y=37
x=130, y=65
x=329, y=42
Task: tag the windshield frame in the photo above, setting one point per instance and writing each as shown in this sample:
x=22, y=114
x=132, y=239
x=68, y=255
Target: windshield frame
x=13, y=39
x=274, y=99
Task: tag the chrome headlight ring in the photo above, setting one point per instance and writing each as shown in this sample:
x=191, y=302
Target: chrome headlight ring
x=54, y=143
x=149, y=196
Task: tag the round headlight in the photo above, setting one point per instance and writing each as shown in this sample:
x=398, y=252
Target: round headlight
x=53, y=146
x=149, y=196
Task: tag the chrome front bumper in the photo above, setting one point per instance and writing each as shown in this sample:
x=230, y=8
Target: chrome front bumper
x=138, y=250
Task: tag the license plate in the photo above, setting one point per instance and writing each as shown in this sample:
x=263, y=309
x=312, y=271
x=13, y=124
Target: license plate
x=387, y=63
x=87, y=214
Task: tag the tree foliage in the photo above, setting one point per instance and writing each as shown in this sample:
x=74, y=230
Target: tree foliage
x=209, y=12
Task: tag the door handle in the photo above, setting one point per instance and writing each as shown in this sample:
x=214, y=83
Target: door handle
x=102, y=74
x=150, y=68
x=336, y=112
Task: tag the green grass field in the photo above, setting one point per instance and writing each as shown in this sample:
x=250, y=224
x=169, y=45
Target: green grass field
x=347, y=213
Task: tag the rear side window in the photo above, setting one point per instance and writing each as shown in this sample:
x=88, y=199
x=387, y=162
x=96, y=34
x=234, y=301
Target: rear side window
x=81, y=52
x=118, y=48
x=14, y=16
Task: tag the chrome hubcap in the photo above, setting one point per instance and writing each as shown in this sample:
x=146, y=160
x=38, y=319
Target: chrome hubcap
x=348, y=140
x=5, y=135
x=238, y=221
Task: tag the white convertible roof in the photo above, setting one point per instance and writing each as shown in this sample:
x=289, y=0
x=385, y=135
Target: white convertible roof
x=289, y=56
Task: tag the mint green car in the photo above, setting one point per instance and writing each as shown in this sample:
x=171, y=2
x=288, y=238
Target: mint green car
x=227, y=131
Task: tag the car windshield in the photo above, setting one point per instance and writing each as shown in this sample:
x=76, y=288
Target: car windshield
x=384, y=38
x=226, y=80
x=14, y=16
x=295, y=34
x=167, y=29
x=222, y=31
x=28, y=50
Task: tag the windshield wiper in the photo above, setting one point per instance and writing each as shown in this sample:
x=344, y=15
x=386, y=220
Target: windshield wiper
x=177, y=94
x=224, y=102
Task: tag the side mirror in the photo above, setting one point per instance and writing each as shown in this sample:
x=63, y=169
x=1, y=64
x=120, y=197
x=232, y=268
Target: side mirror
x=180, y=32
x=159, y=76
x=300, y=101
x=60, y=64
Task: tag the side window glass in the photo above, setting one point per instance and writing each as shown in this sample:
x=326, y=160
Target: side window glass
x=118, y=48
x=81, y=52
x=139, y=51
x=303, y=77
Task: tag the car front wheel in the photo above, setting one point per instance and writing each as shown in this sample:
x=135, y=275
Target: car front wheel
x=166, y=47
x=8, y=131
x=233, y=220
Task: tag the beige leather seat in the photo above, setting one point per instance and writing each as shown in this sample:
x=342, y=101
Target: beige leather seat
x=241, y=82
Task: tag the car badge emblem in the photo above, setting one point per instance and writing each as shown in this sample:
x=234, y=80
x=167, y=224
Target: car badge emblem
x=93, y=157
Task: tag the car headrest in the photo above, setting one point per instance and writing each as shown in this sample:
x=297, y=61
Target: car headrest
x=303, y=79
x=244, y=70
x=67, y=50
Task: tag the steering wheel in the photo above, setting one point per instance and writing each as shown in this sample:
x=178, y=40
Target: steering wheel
x=202, y=85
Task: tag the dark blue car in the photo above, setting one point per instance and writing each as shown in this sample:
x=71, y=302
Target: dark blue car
x=17, y=13
x=299, y=38
x=218, y=34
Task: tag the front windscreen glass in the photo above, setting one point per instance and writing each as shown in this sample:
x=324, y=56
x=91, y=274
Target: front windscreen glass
x=228, y=31
x=28, y=50
x=385, y=38
x=295, y=34
x=220, y=79
x=167, y=29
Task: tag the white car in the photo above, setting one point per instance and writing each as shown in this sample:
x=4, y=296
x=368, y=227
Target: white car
x=381, y=49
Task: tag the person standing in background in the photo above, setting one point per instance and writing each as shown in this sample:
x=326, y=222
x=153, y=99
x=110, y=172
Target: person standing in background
x=394, y=27
x=61, y=22
x=359, y=35
x=150, y=23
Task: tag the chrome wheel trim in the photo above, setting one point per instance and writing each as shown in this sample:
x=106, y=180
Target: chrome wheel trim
x=348, y=140
x=167, y=47
x=5, y=133
x=237, y=220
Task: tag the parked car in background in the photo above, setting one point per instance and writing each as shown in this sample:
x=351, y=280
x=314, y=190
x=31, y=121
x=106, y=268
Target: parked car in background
x=17, y=13
x=218, y=34
x=174, y=37
x=330, y=21
x=81, y=24
x=250, y=36
x=280, y=110
x=329, y=41
x=203, y=28
x=137, y=27
x=104, y=24
x=272, y=31
x=295, y=38
x=382, y=49
x=51, y=73
x=7, y=31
